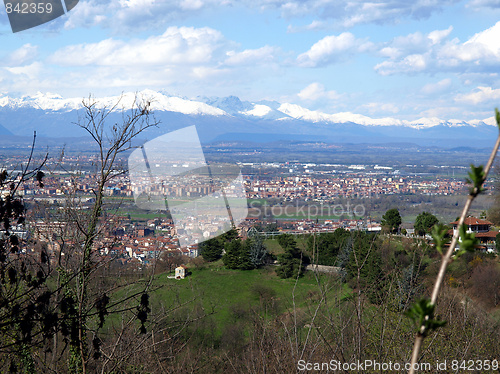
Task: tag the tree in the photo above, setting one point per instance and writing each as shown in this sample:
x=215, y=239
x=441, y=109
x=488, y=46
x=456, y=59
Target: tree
x=229, y=236
x=26, y=318
x=245, y=255
x=497, y=242
x=424, y=223
x=112, y=140
x=325, y=247
x=345, y=253
x=55, y=297
x=211, y=250
x=257, y=249
x=392, y=220
x=292, y=262
x=237, y=255
x=54, y=305
x=286, y=241
x=493, y=213
x=364, y=268
x=169, y=261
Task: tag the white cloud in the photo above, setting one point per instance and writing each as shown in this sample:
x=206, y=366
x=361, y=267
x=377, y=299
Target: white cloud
x=313, y=26
x=21, y=56
x=89, y=13
x=434, y=52
x=127, y=16
x=258, y=56
x=28, y=78
x=495, y=4
x=188, y=60
x=178, y=46
x=410, y=64
x=354, y=12
x=191, y=4
x=30, y=71
x=331, y=49
x=488, y=39
x=433, y=88
x=411, y=44
x=479, y=95
x=438, y=35
x=316, y=91
x=391, y=52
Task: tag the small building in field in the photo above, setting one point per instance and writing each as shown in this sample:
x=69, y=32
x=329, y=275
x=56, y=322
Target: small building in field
x=180, y=272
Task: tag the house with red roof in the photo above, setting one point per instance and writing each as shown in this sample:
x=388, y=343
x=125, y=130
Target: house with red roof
x=482, y=230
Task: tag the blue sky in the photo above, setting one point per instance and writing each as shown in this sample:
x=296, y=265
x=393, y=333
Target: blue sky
x=385, y=58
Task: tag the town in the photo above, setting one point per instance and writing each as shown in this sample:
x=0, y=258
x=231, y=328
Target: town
x=308, y=182
x=135, y=237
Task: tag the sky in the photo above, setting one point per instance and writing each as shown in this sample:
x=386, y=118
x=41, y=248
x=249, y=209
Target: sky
x=385, y=58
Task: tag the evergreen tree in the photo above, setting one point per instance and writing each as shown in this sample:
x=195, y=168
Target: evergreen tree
x=392, y=220
x=257, y=250
x=229, y=236
x=424, y=223
x=327, y=246
x=237, y=255
x=287, y=241
x=406, y=286
x=290, y=265
x=345, y=253
x=292, y=262
x=211, y=250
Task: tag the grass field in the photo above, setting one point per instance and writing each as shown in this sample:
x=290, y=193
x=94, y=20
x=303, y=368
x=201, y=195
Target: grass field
x=220, y=291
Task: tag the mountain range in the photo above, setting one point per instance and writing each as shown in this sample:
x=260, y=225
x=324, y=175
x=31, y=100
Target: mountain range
x=231, y=119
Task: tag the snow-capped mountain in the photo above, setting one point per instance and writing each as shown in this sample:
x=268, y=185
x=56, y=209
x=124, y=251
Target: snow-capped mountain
x=54, y=102
x=299, y=112
x=47, y=101
x=230, y=118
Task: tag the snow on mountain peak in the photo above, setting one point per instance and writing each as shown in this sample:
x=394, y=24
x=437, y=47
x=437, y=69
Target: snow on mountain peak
x=226, y=106
x=491, y=121
x=163, y=102
x=159, y=102
x=47, y=101
x=258, y=110
x=298, y=112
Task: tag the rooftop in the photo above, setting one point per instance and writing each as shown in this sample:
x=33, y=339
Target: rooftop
x=473, y=221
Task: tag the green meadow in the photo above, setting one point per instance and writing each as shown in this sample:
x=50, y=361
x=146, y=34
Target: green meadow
x=221, y=292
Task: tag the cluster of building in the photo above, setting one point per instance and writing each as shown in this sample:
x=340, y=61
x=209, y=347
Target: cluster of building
x=311, y=188
x=299, y=185
x=121, y=239
x=311, y=226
